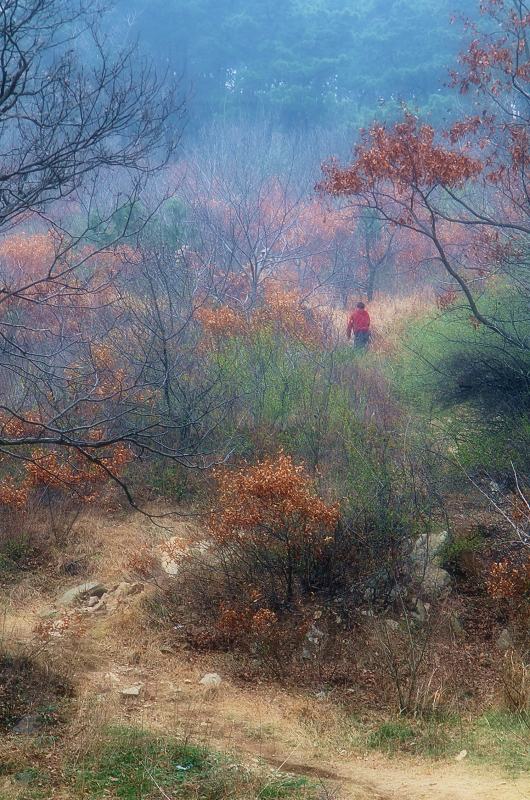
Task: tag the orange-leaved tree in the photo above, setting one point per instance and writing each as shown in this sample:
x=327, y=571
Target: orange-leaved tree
x=272, y=527
x=467, y=184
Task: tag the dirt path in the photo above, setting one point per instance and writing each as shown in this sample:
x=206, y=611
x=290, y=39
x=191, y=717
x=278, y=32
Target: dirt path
x=290, y=731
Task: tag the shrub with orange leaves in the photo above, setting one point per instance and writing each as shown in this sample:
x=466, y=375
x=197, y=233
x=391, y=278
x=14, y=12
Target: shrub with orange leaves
x=273, y=526
x=285, y=312
x=509, y=580
x=281, y=310
x=221, y=321
x=63, y=472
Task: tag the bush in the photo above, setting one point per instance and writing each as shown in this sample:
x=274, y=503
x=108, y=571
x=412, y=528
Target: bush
x=454, y=550
x=280, y=557
x=32, y=535
x=473, y=382
x=272, y=532
x=27, y=687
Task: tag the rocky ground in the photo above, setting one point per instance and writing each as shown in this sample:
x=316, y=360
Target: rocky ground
x=125, y=671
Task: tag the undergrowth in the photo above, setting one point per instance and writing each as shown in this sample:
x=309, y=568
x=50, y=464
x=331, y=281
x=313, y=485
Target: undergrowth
x=127, y=763
x=495, y=738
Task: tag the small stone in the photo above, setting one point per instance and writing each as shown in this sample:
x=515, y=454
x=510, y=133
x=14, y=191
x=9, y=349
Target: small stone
x=435, y=580
x=48, y=613
x=211, y=680
x=81, y=591
x=132, y=691
x=504, y=641
x=462, y=754
x=92, y=601
x=27, y=725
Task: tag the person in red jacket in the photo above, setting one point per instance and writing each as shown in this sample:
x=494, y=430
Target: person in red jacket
x=359, y=325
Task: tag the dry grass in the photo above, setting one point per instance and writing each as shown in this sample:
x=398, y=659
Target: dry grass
x=392, y=316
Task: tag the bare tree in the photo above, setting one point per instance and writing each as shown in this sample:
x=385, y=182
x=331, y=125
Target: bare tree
x=251, y=202
x=83, y=129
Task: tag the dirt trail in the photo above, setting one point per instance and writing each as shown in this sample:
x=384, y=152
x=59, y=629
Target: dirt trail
x=290, y=731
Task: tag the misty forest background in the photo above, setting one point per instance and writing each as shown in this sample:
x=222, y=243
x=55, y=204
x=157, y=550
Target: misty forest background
x=306, y=65
x=210, y=501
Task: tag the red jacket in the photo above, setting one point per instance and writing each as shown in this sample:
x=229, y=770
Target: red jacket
x=358, y=322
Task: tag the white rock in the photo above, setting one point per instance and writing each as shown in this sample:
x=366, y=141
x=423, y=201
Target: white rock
x=211, y=680
x=435, y=580
x=505, y=641
x=79, y=592
x=132, y=691
x=428, y=546
x=462, y=754
x=125, y=589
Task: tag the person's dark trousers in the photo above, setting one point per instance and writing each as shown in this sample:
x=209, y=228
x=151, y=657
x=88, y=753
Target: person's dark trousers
x=362, y=339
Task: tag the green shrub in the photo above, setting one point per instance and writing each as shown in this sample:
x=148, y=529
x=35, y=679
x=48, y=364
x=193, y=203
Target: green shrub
x=472, y=383
x=453, y=549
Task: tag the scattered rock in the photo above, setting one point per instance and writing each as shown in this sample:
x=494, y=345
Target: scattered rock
x=49, y=613
x=428, y=547
x=174, y=691
x=210, y=684
x=504, y=641
x=211, y=680
x=435, y=580
x=28, y=725
x=100, y=606
x=314, y=635
x=80, y=592
x=125, y=589
x=132, y=691
x=92, y=601
x=462, y=754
